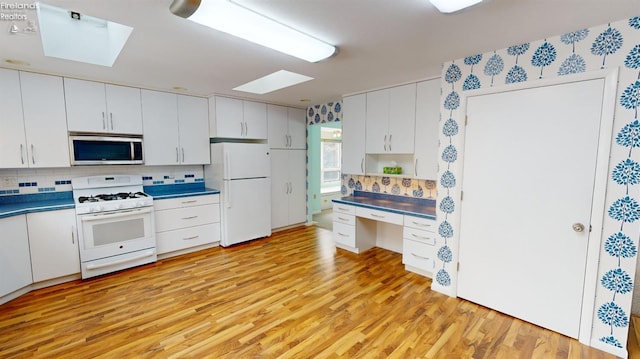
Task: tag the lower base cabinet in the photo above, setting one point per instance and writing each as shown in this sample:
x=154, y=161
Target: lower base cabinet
x=15, y=262
x=187, y=222
x=53, y=243
x=418, y=245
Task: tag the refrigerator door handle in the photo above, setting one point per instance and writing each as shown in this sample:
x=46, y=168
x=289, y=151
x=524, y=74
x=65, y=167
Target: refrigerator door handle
x=227, y=197
x=227, y=163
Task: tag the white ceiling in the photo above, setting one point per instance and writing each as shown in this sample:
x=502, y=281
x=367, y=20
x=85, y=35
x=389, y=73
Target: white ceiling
x=381, y=43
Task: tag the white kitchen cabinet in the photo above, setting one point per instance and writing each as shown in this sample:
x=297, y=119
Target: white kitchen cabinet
x=33, y=130
x=102, y=108
x=187, y=223
x=193, y=120
x=287, y=127
x=175, y=129
x=288, y=187
x=390, y=120
x=53, y=244
x=15, y=263
x=418, y=245
x=234, y=118
x=426, y=133
x=353, y=139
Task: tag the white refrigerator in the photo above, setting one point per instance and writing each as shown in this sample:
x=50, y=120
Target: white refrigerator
x=241, y=171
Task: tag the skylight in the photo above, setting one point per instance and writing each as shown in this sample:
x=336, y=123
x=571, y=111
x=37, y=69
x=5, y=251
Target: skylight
x=275, y=81
x=73, y=36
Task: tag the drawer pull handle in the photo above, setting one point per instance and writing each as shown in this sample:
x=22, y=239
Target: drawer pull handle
x=377, y=215
x=419, y=237
x=343, y=209
x=344, y=235
x=419, y=256
x=192, y=217
x=187, y=202
x=190, y=238
x=343, y=219
x=421, y=224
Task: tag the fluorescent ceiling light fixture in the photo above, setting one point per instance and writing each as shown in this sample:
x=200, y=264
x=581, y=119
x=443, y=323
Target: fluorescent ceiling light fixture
x=78, y=37
x=239, y=21
x=448, y=6
x=275, y=81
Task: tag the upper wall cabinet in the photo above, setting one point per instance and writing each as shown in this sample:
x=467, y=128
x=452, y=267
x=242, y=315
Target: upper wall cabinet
x=287, y=127
x=391, y=120
x=102, y=108
x=33, y=129
x=233, y=118
x=175, y=129
x=353, y=127
x=426, y=134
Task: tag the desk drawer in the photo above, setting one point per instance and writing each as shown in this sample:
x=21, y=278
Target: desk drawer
x=418, y=254
x=381, y=216
x=344, y=234
x=344, y=208
x=420, y=223
x=419, y=235
x=344, y=218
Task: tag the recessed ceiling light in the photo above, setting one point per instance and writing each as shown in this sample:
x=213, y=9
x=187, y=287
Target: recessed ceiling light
x=275, y=81
x=17, y=62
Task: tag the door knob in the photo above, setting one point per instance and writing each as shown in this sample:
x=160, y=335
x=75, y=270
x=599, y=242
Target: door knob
x=578, y=227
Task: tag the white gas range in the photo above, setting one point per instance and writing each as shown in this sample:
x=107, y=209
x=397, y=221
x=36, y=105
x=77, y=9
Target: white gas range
x=115, y=222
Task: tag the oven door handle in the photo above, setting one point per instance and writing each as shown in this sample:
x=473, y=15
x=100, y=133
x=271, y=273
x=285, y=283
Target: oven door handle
x=100, y=216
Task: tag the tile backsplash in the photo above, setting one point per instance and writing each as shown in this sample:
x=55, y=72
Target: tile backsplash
x=393, y=185
x=28, y=181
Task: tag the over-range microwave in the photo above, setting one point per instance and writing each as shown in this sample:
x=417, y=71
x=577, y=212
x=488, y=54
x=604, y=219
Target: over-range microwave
x=105, y=150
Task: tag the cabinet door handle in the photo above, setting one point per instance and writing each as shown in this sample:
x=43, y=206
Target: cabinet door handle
x=33, y=156
x=111, y=119
x=362, y=165
x=104, y=121
x=73, y=235
x=385, y=143
x=390, y=137
x=183, y=154
x=190, y=238
x=415, y=168
x=177, y=155
x=290, y=187
x=22, y=153
x=421, y=224
x=246, y=129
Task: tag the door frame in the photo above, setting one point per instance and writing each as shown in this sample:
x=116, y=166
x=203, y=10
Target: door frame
x=598, y=206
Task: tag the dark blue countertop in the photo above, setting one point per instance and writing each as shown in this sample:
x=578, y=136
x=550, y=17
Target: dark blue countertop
x=38, y=202
x=179, y=190
x=52, y=201
x=419, y=207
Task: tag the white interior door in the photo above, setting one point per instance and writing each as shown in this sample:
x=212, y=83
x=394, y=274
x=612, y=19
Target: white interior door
x=529, y=167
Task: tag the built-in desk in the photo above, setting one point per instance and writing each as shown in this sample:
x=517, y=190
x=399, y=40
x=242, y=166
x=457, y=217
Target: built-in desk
x=401, y=224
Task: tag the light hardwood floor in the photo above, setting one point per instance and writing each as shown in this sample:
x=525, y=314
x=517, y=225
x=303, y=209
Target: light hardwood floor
x=289, y=296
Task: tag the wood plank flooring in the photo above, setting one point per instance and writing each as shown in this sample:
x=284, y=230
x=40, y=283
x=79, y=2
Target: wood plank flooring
x=288, y=296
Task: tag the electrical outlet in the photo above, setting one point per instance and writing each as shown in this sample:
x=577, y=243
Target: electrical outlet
x=8, y=182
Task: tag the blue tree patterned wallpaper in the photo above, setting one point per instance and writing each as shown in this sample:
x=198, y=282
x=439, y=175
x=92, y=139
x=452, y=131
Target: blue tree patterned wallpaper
x=612, y=45
x=328, y=112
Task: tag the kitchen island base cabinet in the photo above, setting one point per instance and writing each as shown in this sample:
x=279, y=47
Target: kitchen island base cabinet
x=187, y=224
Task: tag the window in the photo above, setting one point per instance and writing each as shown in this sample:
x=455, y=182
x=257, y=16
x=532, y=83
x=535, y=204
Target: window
x=330, y=159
